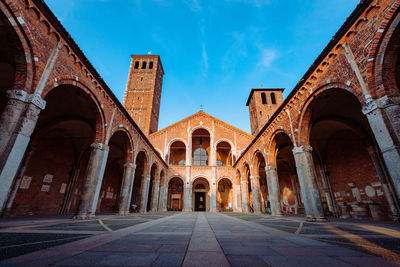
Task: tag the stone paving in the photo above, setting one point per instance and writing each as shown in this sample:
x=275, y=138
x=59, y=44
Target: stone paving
x=202, y=239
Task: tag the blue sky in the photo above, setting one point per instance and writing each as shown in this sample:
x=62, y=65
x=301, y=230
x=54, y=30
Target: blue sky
x=213, y=51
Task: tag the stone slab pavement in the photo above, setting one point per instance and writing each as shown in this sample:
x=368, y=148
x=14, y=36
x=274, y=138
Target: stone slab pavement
x=197, y=239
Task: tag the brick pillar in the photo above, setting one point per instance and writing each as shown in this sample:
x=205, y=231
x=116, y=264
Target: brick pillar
x=144, y=192
x=17, y=123
x=255, y=189
x=155, y=195
x=127, y=178
x=384, y=118
x=308, y=183
x=93, y=180
x=244, y=184
x=274, y=190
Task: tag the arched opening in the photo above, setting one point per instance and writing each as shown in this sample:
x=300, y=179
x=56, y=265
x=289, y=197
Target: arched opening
x=144, y=64
x=177, y=154
x=263, y=98
x=225, y=195
x=141, y=169
x=200, y=147
x=136, y=64
x=259, y=167
x=273, y=98
x=52, y=173
x=119, y=144
x=151, y=65
x=175, y=194
x=346, y=157
x=201, y=195
x=224, y=154
x=150, y=196
x=12, y=61
x=290, y=197
x=391, y=64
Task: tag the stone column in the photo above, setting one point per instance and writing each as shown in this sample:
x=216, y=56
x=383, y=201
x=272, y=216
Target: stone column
x=17, y=123
x=236, y=198
x=308, y=183
x=213, y=190
x=244, y=184
x=255, y=189
x=274, y=190
x=155, y=195
x=128, y=176
x=162, y=202
x=93, y=180
x=144, y=192
x=293, y=179
x=187, y=192
x=384, y=118
x=387, y=188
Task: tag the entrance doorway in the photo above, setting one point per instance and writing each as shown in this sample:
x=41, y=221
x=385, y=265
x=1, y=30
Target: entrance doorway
x=200, y=201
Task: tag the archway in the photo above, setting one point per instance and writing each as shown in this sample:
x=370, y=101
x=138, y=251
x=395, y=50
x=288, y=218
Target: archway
x=224, y=154
x=13, y=66
x=119, y=145
x=352, y=176
x=245, y=175
x=153, y=173
x=200, y=147
x=201, y=194
x=175, y=194
x=225, y=195
x=177, y=154
x=141, y=170
x=50, y=180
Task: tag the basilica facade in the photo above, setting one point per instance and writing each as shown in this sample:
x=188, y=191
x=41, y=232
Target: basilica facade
x=68, y=146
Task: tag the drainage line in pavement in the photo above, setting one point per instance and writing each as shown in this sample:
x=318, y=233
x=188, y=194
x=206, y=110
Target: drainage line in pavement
x=299, y=229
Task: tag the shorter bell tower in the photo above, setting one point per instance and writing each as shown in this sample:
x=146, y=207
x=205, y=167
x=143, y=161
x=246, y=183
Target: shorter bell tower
x=263, y=103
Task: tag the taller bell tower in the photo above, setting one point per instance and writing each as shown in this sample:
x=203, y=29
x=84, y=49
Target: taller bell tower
x=143, y=91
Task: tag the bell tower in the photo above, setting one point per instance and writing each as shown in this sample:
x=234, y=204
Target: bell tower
x=143, y=91
x=262, y=105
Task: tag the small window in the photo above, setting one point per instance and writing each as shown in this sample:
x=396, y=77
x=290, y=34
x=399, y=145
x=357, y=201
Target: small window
x=263, y=98
x=273, y=99
x=260, y=112
x=144, y=64
x=151, y=65
x=136, y=64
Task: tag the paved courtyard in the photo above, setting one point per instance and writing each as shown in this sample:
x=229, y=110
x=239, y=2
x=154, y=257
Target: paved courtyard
x=197, y=239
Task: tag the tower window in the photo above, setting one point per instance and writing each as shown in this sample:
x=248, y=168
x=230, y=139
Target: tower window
x=136, y=64
x=144, y=64
x=273, y=99
x=151, y=65
x=263, y=98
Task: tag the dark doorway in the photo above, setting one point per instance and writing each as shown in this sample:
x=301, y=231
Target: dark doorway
x=200, y=201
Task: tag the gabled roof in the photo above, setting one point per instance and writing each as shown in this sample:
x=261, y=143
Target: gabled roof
x=206, y=115
x=262, y=89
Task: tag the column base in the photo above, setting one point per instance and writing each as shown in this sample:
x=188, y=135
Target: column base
x=317, y=219
x=84, y=217
x=277, y=215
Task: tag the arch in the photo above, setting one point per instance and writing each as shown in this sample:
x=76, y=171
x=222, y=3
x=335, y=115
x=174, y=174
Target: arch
x=271, y=146
x=175, y=194
x=223, y=153
x=177, y=152
x=201, y=147
x=305, y=114
x=201, y=194
x=142, y=166
x=381, y=47
x=224, y=194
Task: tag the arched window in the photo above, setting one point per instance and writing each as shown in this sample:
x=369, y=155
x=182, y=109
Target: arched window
x=263, y=98
x=200, y=157
x=151, y=65
x=136, y=64
x=273, y=99
x=144, y=64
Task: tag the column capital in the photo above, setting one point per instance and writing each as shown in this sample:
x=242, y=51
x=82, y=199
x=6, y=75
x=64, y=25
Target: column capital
x=270, y=168
x=100, y=146
x=302, y=149
x=130, y=165
x=383, y=102
x=254, y=176
x=23, y=96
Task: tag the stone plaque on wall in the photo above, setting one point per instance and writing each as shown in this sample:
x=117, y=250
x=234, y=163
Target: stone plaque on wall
x=63, y=188
x=45, y=188
x=48, y=178
x=26, y=182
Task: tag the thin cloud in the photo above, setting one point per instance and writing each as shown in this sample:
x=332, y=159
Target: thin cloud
x=193, y=5
x=267, y=56
x=205, y=58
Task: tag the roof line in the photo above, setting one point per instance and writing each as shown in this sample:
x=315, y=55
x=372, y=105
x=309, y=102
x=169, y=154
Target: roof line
x=339, y=34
